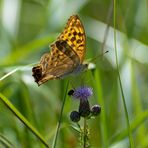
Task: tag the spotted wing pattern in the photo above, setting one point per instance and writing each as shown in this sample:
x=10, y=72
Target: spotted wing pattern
x=74, y=35
x=67, y=53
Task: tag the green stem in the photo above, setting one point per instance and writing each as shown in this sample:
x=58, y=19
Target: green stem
x=85, y=134
x=122, y=93
x=79, y=126
x=60, y=118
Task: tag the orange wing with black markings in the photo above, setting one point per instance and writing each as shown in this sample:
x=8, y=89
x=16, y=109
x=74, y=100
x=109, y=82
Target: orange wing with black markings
x=74, y=35
x=66, y=56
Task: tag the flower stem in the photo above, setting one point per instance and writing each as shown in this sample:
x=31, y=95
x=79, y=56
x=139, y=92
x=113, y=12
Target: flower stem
x=85, y=134
x=60, y=118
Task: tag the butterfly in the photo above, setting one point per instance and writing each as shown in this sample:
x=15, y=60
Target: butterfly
x=66, y=56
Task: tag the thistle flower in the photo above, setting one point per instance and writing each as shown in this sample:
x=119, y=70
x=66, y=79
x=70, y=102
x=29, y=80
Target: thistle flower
x=82, y=93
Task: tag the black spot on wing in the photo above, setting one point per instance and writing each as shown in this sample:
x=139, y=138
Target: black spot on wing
x=72, y=39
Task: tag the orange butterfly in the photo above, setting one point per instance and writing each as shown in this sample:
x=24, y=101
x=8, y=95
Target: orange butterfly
x=66, y=56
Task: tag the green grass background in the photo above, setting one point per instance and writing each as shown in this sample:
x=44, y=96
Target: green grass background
x=28, y=27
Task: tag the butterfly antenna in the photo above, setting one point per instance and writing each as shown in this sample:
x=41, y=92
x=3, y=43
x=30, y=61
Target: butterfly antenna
x=98, y=56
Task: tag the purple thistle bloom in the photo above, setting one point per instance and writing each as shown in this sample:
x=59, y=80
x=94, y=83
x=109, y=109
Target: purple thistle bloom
x=82, y=93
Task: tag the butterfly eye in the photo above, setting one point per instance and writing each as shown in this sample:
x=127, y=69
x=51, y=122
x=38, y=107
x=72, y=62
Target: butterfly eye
x=86, y=65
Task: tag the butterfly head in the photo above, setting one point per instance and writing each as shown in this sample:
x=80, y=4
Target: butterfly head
x=80, y=68
x=85, y=66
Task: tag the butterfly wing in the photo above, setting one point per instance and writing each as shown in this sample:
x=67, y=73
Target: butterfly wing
x=74, y=35
x=61, y=61
x=67, y=53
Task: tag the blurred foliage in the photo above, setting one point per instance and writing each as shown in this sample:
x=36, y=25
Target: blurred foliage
x=27, y=29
